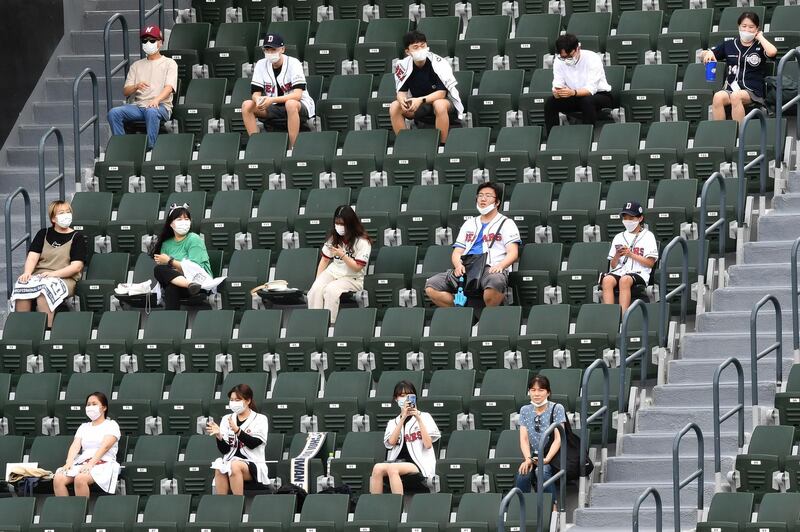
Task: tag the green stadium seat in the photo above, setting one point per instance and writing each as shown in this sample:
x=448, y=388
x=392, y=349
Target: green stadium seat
x=164, y=513
x=311, y=158
x=615, y=155
x=234, y=46
x=362, y=154
x=513, y=512
x=497, y=334
x=186, y=44
x=577, y=284
x=325, y=512
x=783, y=28
x=184, y=412
x=153, y=461
x=382, y=44
x=215, y=513
x=696, y=94
x=137, y=216
x=425, y=215
x=277, y=210
x=378, y=107
x=376, y=513
x=215, y=159
x=91, y=213
x=592, y=29
x=313, y=226
x=295, y=34
x=448, y=397
x=23, y=333
x=502, y=468
x=663, y=153
x=766, y=454
x=158, y=349
x=447, y=337
x=546, y=332
x=230, y=113
x=497, y=100
x=441, y=29
x=214, y=13
x=463, y=157
x=393, y=271
x=206, y=350
x=650, y=94
x=596, y=331
x=16, y=514
x=137, y=400
x=334, y=43
x=292, y=398
x=248, y=269
x=461, y=471
x=270, y=512
x=298, y=267
x=413, y=154
x=351, y=336
x=673, y=208
x=123, y=158
x=170, y=157
x=305, y=331
x=567, y=149
x=113, y=513
x=514, y=155
x=534, y=39
x=503, y=392
x=538, y=266
x=637, y=33
x=345, y=107
x=346, y=394
x=484, y=43
x=427, y=512
x=531, y=104
x=378, y=207
x=116, y=333
x=477, y=512
x=574, y=218
x=204, y=98
x=61, y=513
x=397, y=347
x=360, y=452
x=104, y=273
x=567, y=383
x=687, y=32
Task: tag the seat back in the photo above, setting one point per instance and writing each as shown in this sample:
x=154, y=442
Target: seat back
x=358, y=322
x=298, y=267
x=167, y=508
x=453, y=321
x=453, y=382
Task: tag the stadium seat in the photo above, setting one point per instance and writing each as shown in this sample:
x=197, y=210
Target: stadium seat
x=376, y=513
x=110, y=512
x=137, y=400
x=651, y=89
x=382, y=407
x=17, y=513
x=502, y=468
x=325, y=512
x=263, y=157
x=427, y=512
x=360, y=452
x=413, y=153
x=351, y=336
x=596, y=331
x=497, y=334
x=170, y=157
x=484, y=43
x=313, y=226
x=258, y=332
x=673, y=208
x=362, y=154
x=91, y=212
x=212, y=12
x=116, y=333
x=776, y=511
x=752, y=147
x=298, y=267
x=206, y=349
x=215, y=159
x=783, y=28
x=382, y=44
x=277, y=210
x=442, y=33
x=534, y=38
x=334, y=43
x=61, y=513
x=345, y=106
x=575, y=214
x=23, y=333
x=234, y=45
x=566, y=384
x=449, y=330
x=216, y=513
x=696, y=94
x=687, y=32
x=531, y=104
x=503, y=392
x=467, y=452
x=637, y=32
x=295, y=34
x=592, y=29
x=11, y=448
x=463, y=157
x=728, y=511
x=514, y=153
x=378, y=207
x=204, y=98
x=164, y=512
x=397, y=347
x=529, y=207
x=425, y=215
x=153, y=460
x=104, y=272
x=346, y=394
x=137, y=216
x=766, y=455
x=378, y=107
x=394, y=268
x=69, y=412
x=438, y=259
x=664, y=149
x=531, y=508
x=184, y=412
x=497, y=100
x=292, y=397
x=577, y=284
x=158, y=349
x=186, y=44
x=268, y=511
x=620, y=193
x=567, y=149
x=248, y=269
x=538, y=266
x=448, y=397
x=311, y=156
x=123, y=158
x=305, y=331
x=477, y=512
x=615, y=155
x=546, y=332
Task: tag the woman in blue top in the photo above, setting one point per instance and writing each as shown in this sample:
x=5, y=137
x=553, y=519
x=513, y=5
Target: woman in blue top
x=745, y=58
x=533, y=422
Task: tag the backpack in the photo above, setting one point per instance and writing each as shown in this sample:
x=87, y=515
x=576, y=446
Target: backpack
x=299, y=493
x=573, y=446
x=771, y=91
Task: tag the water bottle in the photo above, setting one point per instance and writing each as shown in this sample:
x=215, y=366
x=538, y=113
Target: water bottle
x=330, y=459
x=711, y=71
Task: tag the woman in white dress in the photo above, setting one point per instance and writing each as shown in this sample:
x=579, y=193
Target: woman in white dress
x=92, y=457
x=242, y=440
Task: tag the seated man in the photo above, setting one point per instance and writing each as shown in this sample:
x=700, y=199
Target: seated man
x=280, y=98
x=633, y=254
x=148, y=88
x=579, y=83
x=425, y=87
x=490, y=233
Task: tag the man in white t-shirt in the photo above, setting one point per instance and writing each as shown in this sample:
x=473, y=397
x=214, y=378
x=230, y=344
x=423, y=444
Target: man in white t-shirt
x=579, y=83
x=633, y=254
x=491, y=233
x=279, y=95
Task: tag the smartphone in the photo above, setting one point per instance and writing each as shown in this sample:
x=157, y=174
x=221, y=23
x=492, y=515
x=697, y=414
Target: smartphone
x=412, y=400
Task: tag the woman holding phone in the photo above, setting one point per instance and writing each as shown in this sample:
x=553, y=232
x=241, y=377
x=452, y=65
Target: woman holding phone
x=409, y=438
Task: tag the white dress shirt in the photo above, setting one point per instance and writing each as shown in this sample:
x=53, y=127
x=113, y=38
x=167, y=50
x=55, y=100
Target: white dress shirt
x=587, y=74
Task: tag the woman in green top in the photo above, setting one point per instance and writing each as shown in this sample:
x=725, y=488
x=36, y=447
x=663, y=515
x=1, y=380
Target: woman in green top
x=176, y=244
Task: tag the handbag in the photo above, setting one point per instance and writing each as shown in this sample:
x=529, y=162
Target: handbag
x=573, y=446
x=474, y=268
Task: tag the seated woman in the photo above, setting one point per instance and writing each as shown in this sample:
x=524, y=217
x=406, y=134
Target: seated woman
x=344, y=262
x=54, y=264
x=92, y=457
x=176, y=244
x=409, y=438
x=242, y=440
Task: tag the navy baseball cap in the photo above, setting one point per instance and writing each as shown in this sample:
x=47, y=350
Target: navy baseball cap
x=272, y=40
x=633, y=208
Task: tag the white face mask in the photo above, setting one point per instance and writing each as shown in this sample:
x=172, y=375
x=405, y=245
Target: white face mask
x=746, y=36
x=571, y=61
x=272, y=57
x=150, y=48
x=485, y=210
x=539, y=405
x=401, y=402
x=181, y=227
x=93, y=412
x=339, y=229
x=237, y=407
x=64, y=220
x=420, y=55
x=630, y=225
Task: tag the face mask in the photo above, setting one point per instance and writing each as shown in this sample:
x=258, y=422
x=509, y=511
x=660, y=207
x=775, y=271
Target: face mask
x=419, y=55
x=539, y=405
x=93, y=412
x=339, y=229
x=181, y=227
x=272, y=58
x=746, y=36
x=237, y=407
x=64, y=220
x=150, y=48
x=401, y=402
x=485, y=210
x=630, y=225
x=570, y=61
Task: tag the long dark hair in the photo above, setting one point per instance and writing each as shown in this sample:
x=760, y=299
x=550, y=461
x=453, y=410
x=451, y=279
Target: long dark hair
x=167, y=232
x=244, y=391
x=100, y=396
x=404, y=387
x=353, y=228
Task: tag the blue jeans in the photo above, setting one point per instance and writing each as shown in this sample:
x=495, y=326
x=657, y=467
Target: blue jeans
x=151, y=116
x=527, y=482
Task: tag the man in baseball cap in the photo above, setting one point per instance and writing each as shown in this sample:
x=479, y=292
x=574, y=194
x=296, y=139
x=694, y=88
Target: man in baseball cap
x=279, y=96
x=633, y=254
x=148, y=88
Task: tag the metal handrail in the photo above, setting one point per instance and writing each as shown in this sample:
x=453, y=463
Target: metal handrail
x=720, y=225
x=760, y=160
x=780, y=107
x=604, y=410
x=642, y=352
x=698, y=474
x=501, y=523
x=795, y=309
x=719, y=419
x=659, y=509
x=562, y=473
x=25, y=239
x=145, y=14
x=776, y=346
x=60, y=179
x=126, y=54
x=94, y=120
x=682, y=289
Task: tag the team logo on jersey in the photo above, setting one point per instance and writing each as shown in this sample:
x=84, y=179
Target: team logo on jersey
x=399, y=72
x=754, y=60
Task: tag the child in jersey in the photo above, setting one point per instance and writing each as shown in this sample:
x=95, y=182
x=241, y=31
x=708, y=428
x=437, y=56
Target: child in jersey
x=633, y=254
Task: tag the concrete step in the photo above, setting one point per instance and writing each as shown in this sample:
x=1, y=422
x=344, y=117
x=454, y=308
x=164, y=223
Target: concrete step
x=113, y=5
x=627, y=493
x=678, y=393
x=760, y=275
x=659, y=468
x=672, y=419
x=779, y=226
x=97, y=19
x=60, y=89
x=786, y=203
x=702, y=372
x=656, y=443
x=27, y=177
x=29, y=155
x=620, y=518
x=738, y=321
x=744, y=297
x=72, y=65
x=91, y=41
x=61, y=112
x=794, y=181
x=770, y=252
x=702, y=346
x=31, y=134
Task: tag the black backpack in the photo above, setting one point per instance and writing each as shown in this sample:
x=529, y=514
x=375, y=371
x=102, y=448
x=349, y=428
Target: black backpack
x=573, y=446
x=789, y=92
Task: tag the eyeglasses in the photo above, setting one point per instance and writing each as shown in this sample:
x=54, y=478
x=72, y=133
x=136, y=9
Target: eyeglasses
x=149, y=40
x=486, y=196
x=565, y=58
x=176, y=206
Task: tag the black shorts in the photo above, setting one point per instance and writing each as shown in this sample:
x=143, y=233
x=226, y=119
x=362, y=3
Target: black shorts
x=637, y=279
x=426, y=115
x=276, y=117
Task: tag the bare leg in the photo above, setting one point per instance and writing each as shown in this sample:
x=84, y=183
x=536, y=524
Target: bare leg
x=721, y=100
x=439, y=298
x=493, y=298
x=292, y=120
x=376, y=479
x=625, y=285
x=83, y=484
x=738, y=100
x=60, y=483
x=239, y=474
x=398, y=117
x=395, y=472
x=249, y=114
x=42, y=306
x=441, y=109
x=608, y=284
x=221, y=484
x=23, y=305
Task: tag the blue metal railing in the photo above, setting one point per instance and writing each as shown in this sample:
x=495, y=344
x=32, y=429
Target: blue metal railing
x=59, y=179
x=24, y=239
x=642, y=353
x=501, y=522
x=659, y=509
x=760, y=160
x=720, y=225
x=719, y=419
x=698, y=474
x=604, y=410
x=94, y=121
x=561, y=475
x=795, y=309
x=781, y=107
x=776, y=346
x=682, y=289
x=126, y=55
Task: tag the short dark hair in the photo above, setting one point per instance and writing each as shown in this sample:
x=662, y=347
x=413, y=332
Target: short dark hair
x=497, y=189
x=542, y=381
x=245, y=392
x=567, y=42
x=404, y=387
x=100, y=397
x=413, y=37
x=752, y=16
